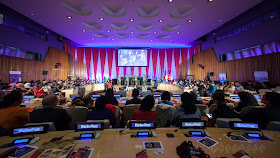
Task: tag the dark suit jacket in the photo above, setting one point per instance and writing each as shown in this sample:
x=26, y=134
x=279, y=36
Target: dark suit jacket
x=59, y=117
x=223, y=111
x=133, y=101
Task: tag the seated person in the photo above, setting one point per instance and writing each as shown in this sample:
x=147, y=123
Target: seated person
x=110, y=99
x=264, y=115
x=186, y=110
x=38, y=90
x=77, y=101
x=194, y=96
x=246, y=99
x=88, y=101
x=145, y=113
x=165, y=98
x=222, y=111
x=49, y=113
x=238, y=86
x=100, y=112
x=135, y=100
x=11, y=115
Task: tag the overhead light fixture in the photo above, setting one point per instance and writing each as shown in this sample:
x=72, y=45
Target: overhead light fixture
x=69, y=17
x=190, y=21
x=169, y=40
x=32, y=14
x=160, y=20
x=178, y=32
x=112, y=39
x=170, y=1
x=92, y=38
x=108, y=31
x=220, y=20
x=155, y=32
x=131, y=39
x=210, y=0
x=84, y=30
x=151, y=40
x=131, y=31
x=101, y=19
x=131, y=20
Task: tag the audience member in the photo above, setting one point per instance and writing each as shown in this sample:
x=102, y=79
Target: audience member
x=264, y=115
x=38, y=90
x=100, y=112
x=186, y=110
x=11, y=115
x=110, y=99
x=77, y=101
x=135, y=100
x=145, y=113
x=222, y=111
x=165, y=98
x=88, y=101
x=194, y=96
x=238, y=86
x=246, y=99
x=50, y=113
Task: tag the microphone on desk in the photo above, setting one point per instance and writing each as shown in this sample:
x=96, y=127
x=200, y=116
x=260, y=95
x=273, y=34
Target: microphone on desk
x=122, y=130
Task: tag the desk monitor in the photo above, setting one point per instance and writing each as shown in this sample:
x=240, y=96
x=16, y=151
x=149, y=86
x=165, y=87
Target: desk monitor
x=142, y=124
x=243, y=125
x=192, y=124
x=88, y=126
x=156, y=95
x=32, y=129
x=74, y=96
x=96, y=96
x=176, y=96
x=233, y=96
x=4, y=90
x=117, y=95
x=257, y=96
x=29, y=96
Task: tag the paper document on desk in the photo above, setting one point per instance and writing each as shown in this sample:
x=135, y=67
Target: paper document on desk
x=18, y=151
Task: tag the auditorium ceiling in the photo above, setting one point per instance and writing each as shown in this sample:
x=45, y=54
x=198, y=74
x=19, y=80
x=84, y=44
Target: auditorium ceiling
x=131, y=23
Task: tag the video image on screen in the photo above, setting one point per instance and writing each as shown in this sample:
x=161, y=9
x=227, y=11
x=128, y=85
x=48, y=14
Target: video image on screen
x=132, y=57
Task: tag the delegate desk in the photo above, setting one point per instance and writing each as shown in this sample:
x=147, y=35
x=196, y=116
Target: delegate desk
x=88, y=89
x=170, y=88
x=111, y=144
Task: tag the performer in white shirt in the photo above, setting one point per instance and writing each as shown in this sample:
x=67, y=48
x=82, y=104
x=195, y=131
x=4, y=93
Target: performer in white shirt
x=119, y=80
x=127, y=80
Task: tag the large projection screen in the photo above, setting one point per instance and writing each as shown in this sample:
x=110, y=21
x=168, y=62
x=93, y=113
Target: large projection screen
x=133, y=57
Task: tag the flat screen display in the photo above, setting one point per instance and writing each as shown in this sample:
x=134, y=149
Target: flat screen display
x=133, y=57
x=200, y=124
x=246, y=125
x=261, y=76
x=254, y=135
x=144, y=125
x=86, y=135
x=87, y=126
x=29, y=96
x=96, y=96
x=30, y=130
x=74, y=96
x=176, y=95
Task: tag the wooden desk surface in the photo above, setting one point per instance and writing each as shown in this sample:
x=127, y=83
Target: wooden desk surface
x=112, y=144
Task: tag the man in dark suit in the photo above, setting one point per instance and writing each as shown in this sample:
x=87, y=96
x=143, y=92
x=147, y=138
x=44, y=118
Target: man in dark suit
x=51, y=113
x=135, y=100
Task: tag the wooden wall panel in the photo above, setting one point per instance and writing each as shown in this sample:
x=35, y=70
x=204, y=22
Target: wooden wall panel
x=237, y=70
x=33, y=70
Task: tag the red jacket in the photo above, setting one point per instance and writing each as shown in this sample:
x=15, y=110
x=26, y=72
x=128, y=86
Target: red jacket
x=144, y=115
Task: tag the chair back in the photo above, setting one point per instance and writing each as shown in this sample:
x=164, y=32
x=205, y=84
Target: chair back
x=118, y=114
x=245, y=110
x=224, y=122
x=78, y=114
x=144, y=94
x=106, y=122
x=128, y=111
x=214, y=106
x=273, y=125
x=164, y=114
x=51, y=125
x=203, y=109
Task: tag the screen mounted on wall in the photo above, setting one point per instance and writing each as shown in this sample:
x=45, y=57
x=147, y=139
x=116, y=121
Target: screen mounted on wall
x=133, y=57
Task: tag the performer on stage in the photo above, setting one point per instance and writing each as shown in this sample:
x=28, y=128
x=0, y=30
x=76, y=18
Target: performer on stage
x=145, y=80
x=159, y=80
x=152, y=82
x=127, y=80
x=136, y=80
x=119, y=80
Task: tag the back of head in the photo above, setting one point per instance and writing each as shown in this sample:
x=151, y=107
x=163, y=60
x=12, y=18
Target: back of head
x=100, y=103
x=193, y=94
x=78, y=101
x=88, y=101
x=247, y=98
x=109, y=93
x=50, y=101
x=272, y=99
x=219, y=97
x=165, y=96
x=188, y=103
x=135, y=93
x=14, y=98
x=147, y=103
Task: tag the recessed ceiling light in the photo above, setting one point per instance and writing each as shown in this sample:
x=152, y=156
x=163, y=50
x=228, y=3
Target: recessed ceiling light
x=92, y=38
x=101, y=19
x=112, y=39
x=169, y=40
x=151, y=40
x=84, y=30
x=190, y=21
x=131, y=20
x=131, y=39
x=210, y=0
x=160, y=20
x=69, y=17
x=32, y=14
x=178, y=32
x=220, y=20
x=108, y=31
x=271, y=16
x=170, y=1
x=131, y=31
x=155, y=32
x=130, y=0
